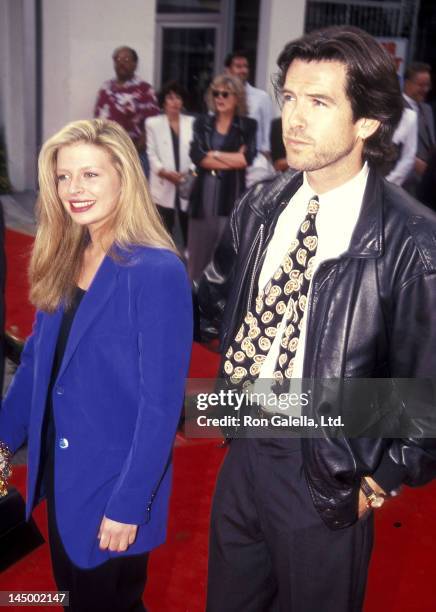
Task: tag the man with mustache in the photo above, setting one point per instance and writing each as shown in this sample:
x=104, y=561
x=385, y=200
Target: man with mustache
x=327, y=274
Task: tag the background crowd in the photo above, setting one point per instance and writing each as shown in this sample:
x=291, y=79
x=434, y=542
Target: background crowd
x=198, y=166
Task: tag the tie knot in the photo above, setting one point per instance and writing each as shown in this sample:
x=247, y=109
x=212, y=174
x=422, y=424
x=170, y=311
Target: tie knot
x=313, y=207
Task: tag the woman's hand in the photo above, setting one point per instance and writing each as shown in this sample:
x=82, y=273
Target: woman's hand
x=224, y=160
x=171, y=176
x=117, y=537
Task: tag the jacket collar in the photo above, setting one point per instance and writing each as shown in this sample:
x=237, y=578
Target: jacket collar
x=209, y=127
x=367, y=238
x=209, y=124
x=93, y=302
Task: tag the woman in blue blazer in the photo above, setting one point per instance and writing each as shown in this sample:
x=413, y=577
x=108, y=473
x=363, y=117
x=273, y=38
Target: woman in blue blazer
x=101, y=382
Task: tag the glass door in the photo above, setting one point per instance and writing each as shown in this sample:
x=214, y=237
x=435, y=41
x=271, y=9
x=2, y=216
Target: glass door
x=188, y=54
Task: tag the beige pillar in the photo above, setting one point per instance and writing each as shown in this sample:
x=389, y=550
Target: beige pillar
x=279, y=22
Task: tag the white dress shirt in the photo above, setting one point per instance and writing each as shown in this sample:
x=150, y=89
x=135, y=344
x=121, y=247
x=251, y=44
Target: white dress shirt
x=335, y=222
x=405, y=135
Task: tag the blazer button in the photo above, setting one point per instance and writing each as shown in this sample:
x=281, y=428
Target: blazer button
x=63, y=443
x=59, y=390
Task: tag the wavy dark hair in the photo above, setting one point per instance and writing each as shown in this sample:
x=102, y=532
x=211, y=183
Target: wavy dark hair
x=372, y=84
x=171, y=87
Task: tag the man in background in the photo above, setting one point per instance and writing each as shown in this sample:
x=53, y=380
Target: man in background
x=260, y=108
x=405, y=139
x=128, y=100
x=417, y=84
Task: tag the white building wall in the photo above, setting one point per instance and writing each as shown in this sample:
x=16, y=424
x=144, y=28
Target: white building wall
x=280, y=21
x=4, y=63
x=17, y=90
x=78, y=40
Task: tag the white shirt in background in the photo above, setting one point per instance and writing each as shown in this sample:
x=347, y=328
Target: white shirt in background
x=405, y=135
x=260, y=108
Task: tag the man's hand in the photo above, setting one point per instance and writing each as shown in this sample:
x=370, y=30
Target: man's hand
x=116, y=537
x=363, y=504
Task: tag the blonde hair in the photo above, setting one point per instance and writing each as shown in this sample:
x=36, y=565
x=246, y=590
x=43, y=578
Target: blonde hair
x=60, y=242
x=235, y=86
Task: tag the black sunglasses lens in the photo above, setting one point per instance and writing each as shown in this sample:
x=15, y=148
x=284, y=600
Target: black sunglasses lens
x=216, y=94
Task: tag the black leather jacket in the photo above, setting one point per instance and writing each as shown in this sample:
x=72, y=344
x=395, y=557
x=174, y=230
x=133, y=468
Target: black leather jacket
x=371, y=314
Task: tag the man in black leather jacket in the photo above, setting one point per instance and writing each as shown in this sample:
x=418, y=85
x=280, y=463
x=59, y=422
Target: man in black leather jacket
x=288, y=508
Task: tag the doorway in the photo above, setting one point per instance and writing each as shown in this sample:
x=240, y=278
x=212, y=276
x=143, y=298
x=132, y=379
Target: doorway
x=188, y=53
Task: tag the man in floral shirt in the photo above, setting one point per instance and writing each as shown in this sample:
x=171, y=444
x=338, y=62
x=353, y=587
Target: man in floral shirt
x=126, y=99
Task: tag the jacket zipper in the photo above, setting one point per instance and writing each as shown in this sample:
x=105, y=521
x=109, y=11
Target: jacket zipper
x=322, y=267
x=256, y=263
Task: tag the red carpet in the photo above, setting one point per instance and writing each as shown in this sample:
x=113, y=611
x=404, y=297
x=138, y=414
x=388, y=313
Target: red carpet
x=402, y=566
x=177, y=571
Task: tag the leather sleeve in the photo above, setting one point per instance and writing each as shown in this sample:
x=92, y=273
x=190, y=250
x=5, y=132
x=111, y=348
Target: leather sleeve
x=413, y=355
x=198, y=148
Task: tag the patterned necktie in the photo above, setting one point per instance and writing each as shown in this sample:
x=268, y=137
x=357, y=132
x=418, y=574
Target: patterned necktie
x=283, y=299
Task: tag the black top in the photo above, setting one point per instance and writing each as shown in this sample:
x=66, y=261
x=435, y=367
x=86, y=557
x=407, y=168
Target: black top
x=64, y=332
x=232, y=182
x=48, y=430
x=175, y=139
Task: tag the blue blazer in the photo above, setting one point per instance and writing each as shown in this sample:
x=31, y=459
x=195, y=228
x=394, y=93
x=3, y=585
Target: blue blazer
x=116, y=401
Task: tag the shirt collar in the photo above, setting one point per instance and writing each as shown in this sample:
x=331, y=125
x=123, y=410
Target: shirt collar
x=411, y=102
x=352, y=190
x=133, y=81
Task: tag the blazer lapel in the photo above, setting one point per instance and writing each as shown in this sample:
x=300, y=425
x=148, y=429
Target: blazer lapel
x=93, y=302
x=184, y=141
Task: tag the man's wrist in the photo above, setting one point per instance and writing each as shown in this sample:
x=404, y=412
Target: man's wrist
x=375, y=495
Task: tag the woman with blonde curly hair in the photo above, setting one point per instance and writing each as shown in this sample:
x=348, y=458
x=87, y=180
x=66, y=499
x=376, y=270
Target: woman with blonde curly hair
x=224, y=144
x=101, y=381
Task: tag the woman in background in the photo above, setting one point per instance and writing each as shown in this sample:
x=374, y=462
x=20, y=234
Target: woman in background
x=224, y=144
x=168, y=139
x=101, y=381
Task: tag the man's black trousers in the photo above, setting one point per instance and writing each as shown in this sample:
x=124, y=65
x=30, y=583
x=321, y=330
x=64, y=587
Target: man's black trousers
x=269, y=548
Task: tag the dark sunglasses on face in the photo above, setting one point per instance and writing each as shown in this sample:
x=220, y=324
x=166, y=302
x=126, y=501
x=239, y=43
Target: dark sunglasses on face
x=217, y=93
